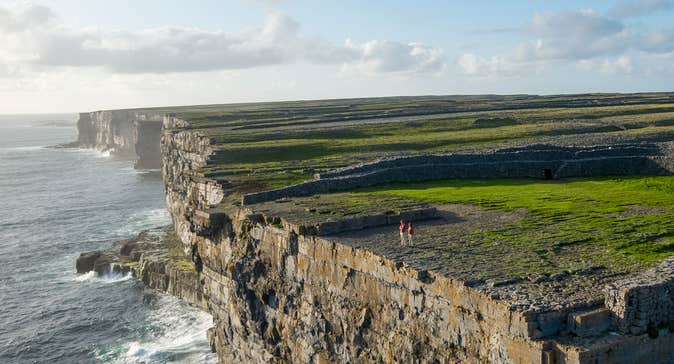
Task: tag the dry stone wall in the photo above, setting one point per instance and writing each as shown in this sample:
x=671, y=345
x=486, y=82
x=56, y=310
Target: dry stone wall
x=644, y=301
x=649, y=159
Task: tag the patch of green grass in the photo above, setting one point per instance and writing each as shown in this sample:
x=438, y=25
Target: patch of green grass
x=175, y=250
x=184, y=265
x=621, y=223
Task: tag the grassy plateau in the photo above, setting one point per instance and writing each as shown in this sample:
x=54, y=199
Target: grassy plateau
x=621, y=223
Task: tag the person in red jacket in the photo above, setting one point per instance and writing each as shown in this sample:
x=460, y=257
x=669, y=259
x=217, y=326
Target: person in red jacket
x=410, y=232
x=403, y=230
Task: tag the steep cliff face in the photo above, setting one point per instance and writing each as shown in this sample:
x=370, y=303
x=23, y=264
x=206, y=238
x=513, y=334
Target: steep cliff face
x=182, y=153
x=128, y=133
x=279, y=295
x=276, y=295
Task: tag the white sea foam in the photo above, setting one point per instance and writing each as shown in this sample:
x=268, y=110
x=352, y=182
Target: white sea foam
x=180, y=336
x=103, y=153
x=144, y=220
x=150, y=170
x=91, y=276
x=23, y=148
x=85, y=277
x=87, y=151
x=114, y=278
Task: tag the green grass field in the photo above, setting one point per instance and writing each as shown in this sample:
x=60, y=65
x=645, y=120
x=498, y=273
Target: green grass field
x=274, y=147
x=616, y=222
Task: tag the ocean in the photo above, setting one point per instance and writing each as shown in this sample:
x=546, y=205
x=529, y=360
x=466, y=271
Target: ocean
x=54, y=204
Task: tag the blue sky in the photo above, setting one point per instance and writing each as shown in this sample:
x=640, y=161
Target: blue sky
x=68, y=55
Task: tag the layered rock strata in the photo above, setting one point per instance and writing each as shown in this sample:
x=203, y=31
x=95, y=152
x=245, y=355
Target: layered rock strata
x=278, y=292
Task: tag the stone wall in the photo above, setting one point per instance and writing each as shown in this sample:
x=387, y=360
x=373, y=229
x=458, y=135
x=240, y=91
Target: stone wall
x=530, y=153
x=644, y=301
x=649, y=159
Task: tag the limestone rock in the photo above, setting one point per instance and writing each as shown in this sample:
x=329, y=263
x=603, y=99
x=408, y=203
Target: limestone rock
x=85, y=262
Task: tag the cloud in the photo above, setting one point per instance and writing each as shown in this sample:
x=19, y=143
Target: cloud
x=620, y=65
x=33, y=37
x=660, y=41
x=375, y=57
x=475, y=65
x=571, y=35
x=581, y=23
x=24, y=17
x=640, y=8
x=583, y=35
x=4, y=71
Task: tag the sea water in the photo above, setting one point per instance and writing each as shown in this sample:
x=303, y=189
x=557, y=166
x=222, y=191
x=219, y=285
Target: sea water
x=54, y=204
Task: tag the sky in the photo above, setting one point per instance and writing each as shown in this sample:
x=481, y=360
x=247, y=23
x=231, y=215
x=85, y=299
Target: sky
x=84, y=55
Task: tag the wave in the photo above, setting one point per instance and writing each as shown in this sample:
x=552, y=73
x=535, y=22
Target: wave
x=178, y=334
x=144, y=220
x=53, y=124
x=87, y=151
x=24, y=148
x=148, y=171
x=91, y=276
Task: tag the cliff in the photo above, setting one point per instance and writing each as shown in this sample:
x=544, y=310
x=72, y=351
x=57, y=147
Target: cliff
x=127, y=133
x=293, y=271
x=278, y=292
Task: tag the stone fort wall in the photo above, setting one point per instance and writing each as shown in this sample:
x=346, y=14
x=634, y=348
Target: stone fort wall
x=531, y=162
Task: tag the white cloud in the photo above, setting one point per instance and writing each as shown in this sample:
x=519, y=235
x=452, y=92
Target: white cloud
x=33, y=37
x=475, y=65
x=571, y=35
x=620, y=65
x=579, y=24
x=593, y=39
x=659, y=41
x=24, y=17
x=640, y=7
x=375, y=57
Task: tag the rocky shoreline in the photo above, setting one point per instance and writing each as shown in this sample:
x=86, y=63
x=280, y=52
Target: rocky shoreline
x=155, y=257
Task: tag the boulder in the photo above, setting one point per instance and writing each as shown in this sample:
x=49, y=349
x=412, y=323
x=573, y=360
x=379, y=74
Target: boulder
x=86, y=261
x=104, y=264
x=127, y=247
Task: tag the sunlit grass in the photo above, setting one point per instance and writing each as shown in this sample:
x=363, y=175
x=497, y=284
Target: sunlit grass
x=616, y=222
